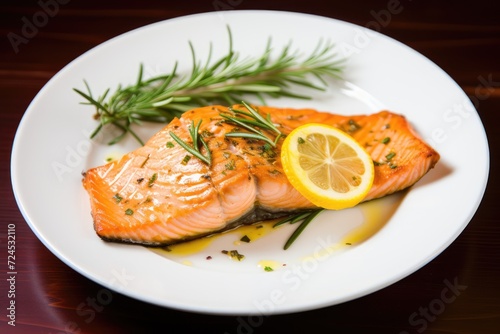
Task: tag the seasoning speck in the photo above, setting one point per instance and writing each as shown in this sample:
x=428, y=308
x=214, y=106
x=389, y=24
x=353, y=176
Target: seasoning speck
x=186, y=160
x=245, y=238
x=234, y=254
x=230, y=165
x=117, y=198
x=390, y=156
x=145, y=161
x=152, y=179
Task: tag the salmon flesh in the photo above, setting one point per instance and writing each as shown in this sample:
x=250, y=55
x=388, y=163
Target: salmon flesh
x=159, y=194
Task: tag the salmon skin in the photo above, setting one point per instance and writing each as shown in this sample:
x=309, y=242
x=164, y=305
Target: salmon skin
x=155, y=196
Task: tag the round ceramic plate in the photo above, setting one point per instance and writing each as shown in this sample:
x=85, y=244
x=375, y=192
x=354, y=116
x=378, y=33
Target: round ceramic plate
x=341, y=256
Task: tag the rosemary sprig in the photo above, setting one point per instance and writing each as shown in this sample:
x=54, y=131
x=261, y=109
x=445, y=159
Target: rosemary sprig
x=226, y=80
x=305, y=217
x=197, y=140
x=254, y=123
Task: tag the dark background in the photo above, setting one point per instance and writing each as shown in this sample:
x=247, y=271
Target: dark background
x=462, y=38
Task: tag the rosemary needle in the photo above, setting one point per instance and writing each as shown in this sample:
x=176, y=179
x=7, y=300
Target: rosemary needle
x=305, y=221
x=254, y=123
x=197, y=140
x=226, y=80
x=304, y=217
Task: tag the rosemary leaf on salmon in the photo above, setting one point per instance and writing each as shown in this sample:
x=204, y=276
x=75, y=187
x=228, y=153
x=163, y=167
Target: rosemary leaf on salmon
x=159, y=194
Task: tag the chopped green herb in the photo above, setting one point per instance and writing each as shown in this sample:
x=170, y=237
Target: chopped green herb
x=301, y=140
x=353, y=126
x=230, y=165
x=392, y=166
x=390, y=156
x=267, y=268
x=117, y=198
x=205, y=133
x=245, y=238
x=152, y=179
x=234, y=254
x=267, y=151
x=246, y=152
x=186, y=159
x=386, y=140
x=144, y=162
x=129, y=212
x=170, y=144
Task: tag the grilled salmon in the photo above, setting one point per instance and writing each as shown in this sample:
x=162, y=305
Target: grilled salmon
x=160, y=194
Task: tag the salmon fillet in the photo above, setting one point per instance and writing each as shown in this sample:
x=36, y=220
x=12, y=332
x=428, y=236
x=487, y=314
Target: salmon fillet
x=154, y=196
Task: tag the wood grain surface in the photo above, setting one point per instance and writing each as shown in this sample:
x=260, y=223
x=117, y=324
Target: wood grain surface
x=463, y=38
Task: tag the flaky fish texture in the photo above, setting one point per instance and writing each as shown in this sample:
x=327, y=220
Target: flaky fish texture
x=155, y=196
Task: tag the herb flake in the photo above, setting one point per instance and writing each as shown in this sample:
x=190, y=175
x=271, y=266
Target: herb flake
x=117, y=198
x=390, y=156
x=245, y=238
x=186, y=159
x=152, y=179
x=145, y=161
x=230, y=165
x=234, y=254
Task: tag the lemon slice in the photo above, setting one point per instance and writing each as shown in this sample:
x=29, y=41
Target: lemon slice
x=327, y=166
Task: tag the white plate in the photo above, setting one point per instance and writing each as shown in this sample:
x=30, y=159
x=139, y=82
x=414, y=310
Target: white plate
x=52, y=148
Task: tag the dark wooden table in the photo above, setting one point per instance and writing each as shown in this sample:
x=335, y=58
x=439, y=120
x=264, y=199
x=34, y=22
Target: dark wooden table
x=462, y=38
